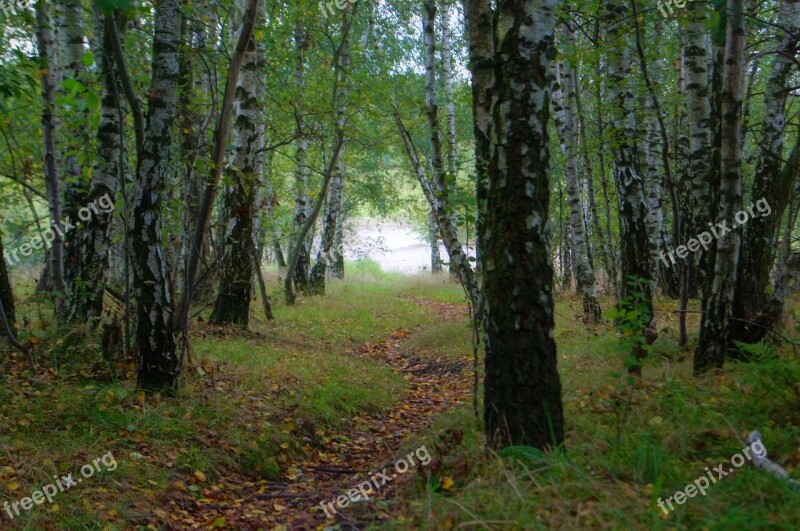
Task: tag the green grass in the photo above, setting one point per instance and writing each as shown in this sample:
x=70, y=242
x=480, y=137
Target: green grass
x=251, y=402
x=448, y=339
x=628, y=445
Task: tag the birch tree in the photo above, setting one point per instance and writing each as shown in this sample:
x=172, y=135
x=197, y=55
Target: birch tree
x=515, y=242
x=301, y=199
x=634, y=242
x=715, y=326
x=564, y=107
x=478, y=22
x=435, y=187
x=159, y=366
x=76, y=186
x=232, y=304
x=93, y=243
x=328, y=253
x=696, y=54
x=450, y=114
x=753, y=302
x=48, y=56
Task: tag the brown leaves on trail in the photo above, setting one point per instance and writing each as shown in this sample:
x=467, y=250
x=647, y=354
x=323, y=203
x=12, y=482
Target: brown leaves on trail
x=364, y=446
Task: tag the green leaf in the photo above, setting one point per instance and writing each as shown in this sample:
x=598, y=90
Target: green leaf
x=72, y=86
x=88, y=59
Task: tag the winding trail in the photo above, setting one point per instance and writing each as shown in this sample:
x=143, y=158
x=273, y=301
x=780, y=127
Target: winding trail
x=361, y=448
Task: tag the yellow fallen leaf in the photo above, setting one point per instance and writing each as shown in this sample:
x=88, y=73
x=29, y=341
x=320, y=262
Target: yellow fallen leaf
x=448, y=483
x=279, y=507
x=200, y=476
x=13, y=485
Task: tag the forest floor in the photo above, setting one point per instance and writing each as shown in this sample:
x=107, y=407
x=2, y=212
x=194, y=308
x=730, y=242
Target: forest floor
x=272, y=423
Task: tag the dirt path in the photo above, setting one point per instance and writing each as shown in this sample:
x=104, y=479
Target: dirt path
x=356, y=452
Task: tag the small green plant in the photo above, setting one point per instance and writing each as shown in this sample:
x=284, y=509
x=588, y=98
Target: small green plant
x=631, y=319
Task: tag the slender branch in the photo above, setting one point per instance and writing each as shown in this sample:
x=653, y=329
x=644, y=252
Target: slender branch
x=125, y=80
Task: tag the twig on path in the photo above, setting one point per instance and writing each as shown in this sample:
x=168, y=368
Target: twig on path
x=342, y=471
x=281, y=495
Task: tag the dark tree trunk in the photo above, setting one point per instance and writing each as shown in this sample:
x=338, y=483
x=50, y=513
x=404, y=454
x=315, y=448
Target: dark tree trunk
x=772, y=189
x=159, y=366
x=522, y=401
x=48, y=55
x=92, y=246
x=478, y=15
x=76, y=189
x=6, y=294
